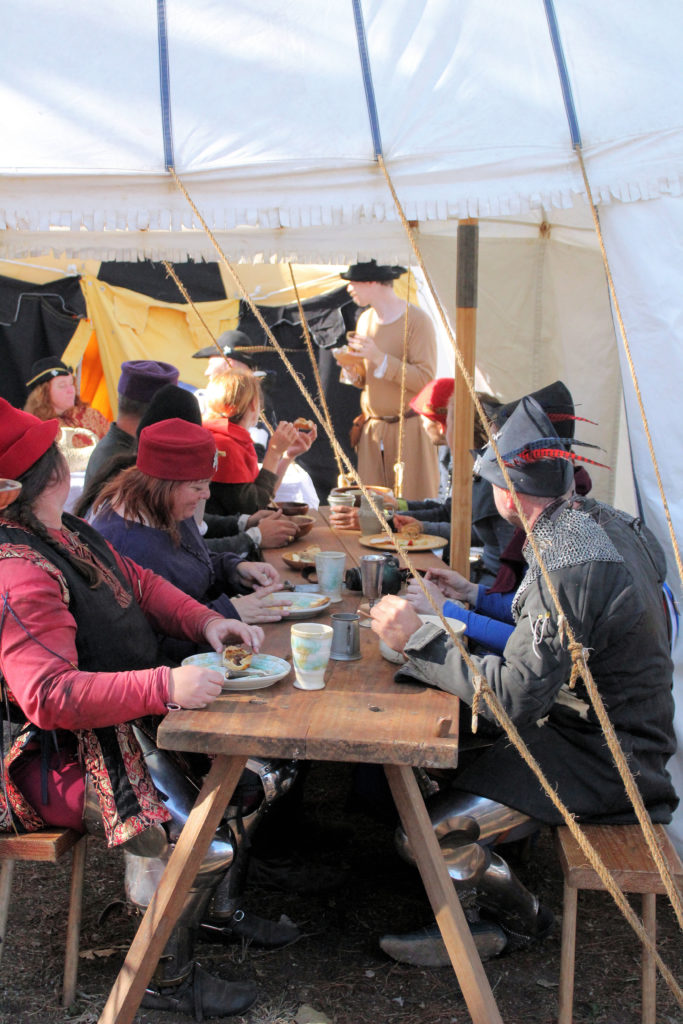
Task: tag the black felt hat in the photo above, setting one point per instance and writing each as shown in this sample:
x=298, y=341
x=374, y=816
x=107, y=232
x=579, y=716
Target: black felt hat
x=556, y=401
x=372, y=272
x=536, y=458
x=230, y=344
x=169, y=403
x=46, y=369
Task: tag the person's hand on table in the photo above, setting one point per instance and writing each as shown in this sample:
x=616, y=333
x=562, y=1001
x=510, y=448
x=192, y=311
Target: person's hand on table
x=258, y=574
x=344, y=518
x=394, y=620
x=415, y=596
x=251, y=607
x=277, y=529
x=452, y=585
x=219, y=631
x=195, y=686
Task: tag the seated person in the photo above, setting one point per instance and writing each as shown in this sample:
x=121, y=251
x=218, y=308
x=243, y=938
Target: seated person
x=234, y=402
x=52, y=394
x=147, y=513
x=245, y=535
x=608, y=570
x=139, y=381
x=81, y=666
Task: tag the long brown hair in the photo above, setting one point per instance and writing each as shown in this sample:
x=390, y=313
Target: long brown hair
x=231, y=392
x=48, y=469
x=146, y=499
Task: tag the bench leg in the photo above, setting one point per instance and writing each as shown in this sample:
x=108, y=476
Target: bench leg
x=73, y=928
x=567, y=954
x=649, y=969
x=6, y=875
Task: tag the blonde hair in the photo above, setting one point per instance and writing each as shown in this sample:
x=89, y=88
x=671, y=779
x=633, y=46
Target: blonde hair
x=232, y=392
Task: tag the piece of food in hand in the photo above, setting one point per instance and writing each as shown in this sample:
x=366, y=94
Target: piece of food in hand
x=411, y=530
x=304, y=425
x=236, y=659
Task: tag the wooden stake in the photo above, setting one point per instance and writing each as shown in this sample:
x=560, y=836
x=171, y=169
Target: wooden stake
x=463, y=440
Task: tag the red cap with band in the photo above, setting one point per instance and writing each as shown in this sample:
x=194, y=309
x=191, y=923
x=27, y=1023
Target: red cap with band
x=433, y=400
x=23, y=439
x=177, y=450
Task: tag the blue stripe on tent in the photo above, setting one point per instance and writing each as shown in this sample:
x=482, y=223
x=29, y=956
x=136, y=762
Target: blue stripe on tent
x=164, y=84
x=563, y=73
x=367, y=77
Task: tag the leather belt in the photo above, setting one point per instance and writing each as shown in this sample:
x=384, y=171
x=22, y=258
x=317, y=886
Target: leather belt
x=394, y=419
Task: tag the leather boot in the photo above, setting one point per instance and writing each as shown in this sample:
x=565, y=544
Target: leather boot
x=243, y=926
x=201, y=995
x=426, y=948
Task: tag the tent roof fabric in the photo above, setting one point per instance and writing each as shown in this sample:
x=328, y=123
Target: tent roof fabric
x=270, y=127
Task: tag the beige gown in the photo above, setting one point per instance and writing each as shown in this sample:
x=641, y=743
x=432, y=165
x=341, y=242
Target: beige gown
x=381, y=397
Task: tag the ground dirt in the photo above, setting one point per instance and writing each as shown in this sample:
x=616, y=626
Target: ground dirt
x=336, y=966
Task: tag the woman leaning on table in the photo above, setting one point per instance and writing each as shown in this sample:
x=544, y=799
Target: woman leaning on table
x=80, y=661
x=147, y=513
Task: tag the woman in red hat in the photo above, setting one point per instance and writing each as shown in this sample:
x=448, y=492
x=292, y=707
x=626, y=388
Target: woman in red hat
x=80, y=659
x=52, y=394
x=147, y=513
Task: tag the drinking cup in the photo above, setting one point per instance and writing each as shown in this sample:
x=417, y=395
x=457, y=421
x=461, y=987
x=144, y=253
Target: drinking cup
x=311, y=644
x=329, y=568
x=345, y=636
x=339, y=501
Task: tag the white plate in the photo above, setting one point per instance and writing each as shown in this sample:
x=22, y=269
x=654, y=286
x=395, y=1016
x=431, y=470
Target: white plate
x=275, y=668
x=299, y=606
x=398, y=658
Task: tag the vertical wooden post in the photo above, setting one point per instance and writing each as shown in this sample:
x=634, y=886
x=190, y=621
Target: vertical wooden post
x=462, y=442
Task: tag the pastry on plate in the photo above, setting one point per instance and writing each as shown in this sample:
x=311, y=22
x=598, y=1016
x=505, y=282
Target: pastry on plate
x=236, y=659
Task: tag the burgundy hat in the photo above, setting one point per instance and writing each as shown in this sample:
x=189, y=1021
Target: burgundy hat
x=433, y=400
x=177, y=450
x=141, y=378
x=23, y=439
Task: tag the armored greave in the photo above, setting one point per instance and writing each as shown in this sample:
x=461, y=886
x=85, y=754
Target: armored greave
x=466, y=825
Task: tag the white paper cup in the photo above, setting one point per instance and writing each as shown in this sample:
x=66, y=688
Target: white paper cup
x=311, y=645
x=329, y=568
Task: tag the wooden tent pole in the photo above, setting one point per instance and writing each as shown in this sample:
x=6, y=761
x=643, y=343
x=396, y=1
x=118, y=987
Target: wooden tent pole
x=463, y=418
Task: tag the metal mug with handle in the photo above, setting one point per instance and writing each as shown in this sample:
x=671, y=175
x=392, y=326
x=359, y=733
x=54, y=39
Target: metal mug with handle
x=345, y=636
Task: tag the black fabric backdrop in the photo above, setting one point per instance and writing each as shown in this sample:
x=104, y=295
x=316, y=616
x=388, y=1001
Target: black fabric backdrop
x=35, y=321
x=328, y=317
x=202, y=281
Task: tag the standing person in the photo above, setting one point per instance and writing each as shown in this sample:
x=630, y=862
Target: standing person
x=139, y=381
x=607, y=569
x=80, y=660
x=381, y=343
x=52, y=394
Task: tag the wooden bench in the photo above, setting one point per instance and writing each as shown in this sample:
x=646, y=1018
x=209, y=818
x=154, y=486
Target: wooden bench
x=48, y=846
x=623, y=850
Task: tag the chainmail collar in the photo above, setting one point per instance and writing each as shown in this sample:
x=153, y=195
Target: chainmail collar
x=564, y=536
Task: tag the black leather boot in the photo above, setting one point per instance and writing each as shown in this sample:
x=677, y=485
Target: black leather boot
x=201, y=995
x=244, y=926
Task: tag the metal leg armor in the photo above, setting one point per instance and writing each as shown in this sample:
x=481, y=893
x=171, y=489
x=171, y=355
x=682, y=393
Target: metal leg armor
x=466, y=827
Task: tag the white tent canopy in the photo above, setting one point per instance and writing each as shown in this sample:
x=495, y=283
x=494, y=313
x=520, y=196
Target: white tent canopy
x=268, y=129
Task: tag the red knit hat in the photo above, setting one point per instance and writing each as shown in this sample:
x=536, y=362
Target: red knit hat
x=23, y=439
x=432, y=401
x=177, y=450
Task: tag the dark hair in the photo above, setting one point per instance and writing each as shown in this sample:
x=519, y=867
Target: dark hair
x=146, y=499
x=491, y=406
x=131, y=406
x=48, y=469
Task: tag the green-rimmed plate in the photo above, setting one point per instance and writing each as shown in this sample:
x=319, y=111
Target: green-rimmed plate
x=297, y=606
x=264, y=670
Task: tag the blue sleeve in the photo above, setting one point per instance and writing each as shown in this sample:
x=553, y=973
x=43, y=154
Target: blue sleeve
x=481, y=628
x=496, y=606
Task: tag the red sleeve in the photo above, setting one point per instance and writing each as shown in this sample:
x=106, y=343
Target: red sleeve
x=39, y=660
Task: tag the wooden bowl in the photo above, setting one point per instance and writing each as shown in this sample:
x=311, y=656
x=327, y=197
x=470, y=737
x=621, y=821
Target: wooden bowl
x=304, y=525
x=9, y=492
x=292, y=508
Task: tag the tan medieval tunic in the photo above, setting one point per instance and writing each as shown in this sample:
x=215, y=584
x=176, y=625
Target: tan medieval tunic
x=381, y=397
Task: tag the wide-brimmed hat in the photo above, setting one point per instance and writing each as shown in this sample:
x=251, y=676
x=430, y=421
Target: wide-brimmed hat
x=370, y=271
x=46, y=369
x=433, y=400
x=141, y=378
x=23, y=439
x=176, y=450
x=538, y=461
x=230, y=344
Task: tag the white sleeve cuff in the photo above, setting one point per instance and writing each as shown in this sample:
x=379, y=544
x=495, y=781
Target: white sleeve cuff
x=382, y=368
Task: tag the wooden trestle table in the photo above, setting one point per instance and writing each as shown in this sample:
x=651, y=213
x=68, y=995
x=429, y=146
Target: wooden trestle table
x=360, y=716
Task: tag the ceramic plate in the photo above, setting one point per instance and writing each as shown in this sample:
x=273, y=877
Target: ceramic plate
x=299, y=606
x=397, y=657
x=380, y=541
x=274, y=668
